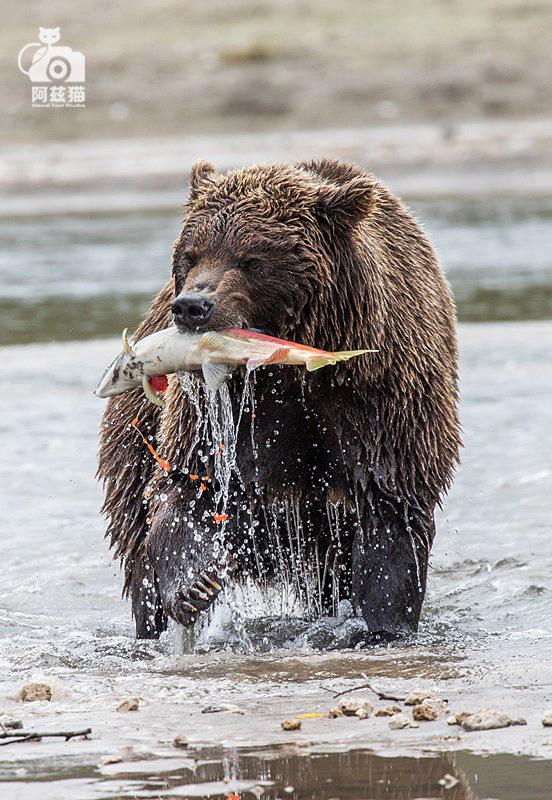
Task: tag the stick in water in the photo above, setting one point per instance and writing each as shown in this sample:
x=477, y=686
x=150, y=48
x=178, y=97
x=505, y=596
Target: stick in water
x=382, y=695
x=29, y=736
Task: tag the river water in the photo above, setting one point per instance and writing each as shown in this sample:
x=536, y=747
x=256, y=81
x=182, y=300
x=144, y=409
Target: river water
x=486, y=635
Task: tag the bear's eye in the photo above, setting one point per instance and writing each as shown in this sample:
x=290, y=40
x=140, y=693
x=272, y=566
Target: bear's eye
x=250, y=264
x=190, y=258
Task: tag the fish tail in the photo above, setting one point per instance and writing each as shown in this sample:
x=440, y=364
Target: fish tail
x=316, y=362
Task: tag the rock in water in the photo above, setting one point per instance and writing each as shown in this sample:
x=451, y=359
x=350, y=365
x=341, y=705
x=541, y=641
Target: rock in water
x=448, y=781
x=388, y=711
x=130, y=704
x=488, y=719
x=35, y=691
x=458, y=719
x=429, y=710
x=228, y=708
x=105, y=761
x=350, y=707
x=401, y=721
x=547, y=719
x=291, y=725
x=181, y=742
x=417, y=696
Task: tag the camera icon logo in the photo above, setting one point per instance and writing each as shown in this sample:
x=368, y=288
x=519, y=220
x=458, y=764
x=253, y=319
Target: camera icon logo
x=50, y=63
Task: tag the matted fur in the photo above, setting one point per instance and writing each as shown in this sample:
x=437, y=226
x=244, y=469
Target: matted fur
x=344, y=266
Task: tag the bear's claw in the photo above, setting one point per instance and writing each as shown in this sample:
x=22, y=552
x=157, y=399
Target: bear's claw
x=198, y=596
x=213, y=582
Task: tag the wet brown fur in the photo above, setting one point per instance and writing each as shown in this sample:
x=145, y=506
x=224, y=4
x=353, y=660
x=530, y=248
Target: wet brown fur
x=344, y=266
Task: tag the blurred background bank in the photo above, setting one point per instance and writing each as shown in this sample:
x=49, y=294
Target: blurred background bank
x=449, y=101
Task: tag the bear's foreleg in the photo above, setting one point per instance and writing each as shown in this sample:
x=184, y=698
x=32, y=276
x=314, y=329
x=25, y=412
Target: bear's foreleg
x=389, y=566
x=187, y=560
x=147, y=610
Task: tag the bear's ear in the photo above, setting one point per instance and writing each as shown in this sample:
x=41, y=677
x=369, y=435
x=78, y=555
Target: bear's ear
x=347, y=204
x=202, y=178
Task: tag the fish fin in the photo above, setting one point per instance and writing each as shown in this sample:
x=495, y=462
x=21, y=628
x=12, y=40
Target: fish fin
x=316, y=362
x=276, y=357
x=313, y=364
x=211, y=341
x=253, y=363
x=345, y=355
x=214, y=374
x=127, y=349
x=150, y=394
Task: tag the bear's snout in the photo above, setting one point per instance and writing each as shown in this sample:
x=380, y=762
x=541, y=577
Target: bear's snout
x=191, y=311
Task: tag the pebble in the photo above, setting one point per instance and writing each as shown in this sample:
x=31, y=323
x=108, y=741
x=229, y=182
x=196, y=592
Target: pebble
x=362, y=713
x=333, y=713
x=291, y=725
x=35, y=691
x=429, y=710
x=181, y=742
x=401, y=721
x=417, y=696
x=130, y=704
x=350, y=707
x=458, y=719
x=388, y=711
x=547, y=720
x=229, y=708
x=105, y=760
x=448, y=781
x=12, y=724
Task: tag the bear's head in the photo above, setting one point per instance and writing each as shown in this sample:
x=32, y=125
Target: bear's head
x=271, y=247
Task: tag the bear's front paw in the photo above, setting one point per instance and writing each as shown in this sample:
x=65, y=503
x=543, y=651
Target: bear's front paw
x=198, y=596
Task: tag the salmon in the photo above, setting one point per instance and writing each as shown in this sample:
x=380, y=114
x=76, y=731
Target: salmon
x=215, y=353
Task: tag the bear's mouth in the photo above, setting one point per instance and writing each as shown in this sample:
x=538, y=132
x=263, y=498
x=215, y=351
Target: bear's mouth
x=222, y=327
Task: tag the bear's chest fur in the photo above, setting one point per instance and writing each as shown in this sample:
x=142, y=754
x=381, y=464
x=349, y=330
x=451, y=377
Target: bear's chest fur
x=290, y=438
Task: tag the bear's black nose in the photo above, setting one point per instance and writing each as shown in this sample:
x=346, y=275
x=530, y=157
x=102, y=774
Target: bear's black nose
x=191, y=310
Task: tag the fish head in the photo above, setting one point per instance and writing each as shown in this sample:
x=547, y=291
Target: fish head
x=117, y=378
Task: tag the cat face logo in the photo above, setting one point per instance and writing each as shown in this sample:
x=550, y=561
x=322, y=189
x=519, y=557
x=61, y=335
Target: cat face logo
x=49, y=63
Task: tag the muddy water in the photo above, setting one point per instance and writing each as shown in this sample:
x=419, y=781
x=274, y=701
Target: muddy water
x=486, y=633
x=279, y=772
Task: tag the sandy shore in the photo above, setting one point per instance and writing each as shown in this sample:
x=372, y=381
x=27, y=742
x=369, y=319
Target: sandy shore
x=132, y=754
x=183, y=68
x=266, y=692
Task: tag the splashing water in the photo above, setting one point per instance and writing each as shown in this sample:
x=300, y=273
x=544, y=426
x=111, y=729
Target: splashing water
x=300, y=567
x=215, y=438
x=215, y=434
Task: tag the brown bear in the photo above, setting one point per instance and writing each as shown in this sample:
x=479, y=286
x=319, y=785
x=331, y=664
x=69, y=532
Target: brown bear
x=336, y=473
